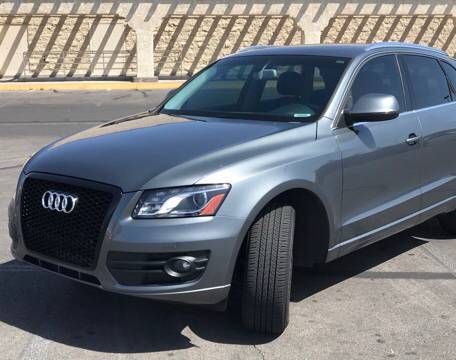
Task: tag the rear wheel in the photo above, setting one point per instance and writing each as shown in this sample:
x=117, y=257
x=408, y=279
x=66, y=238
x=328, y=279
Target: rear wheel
x=448, y=222
x=268, y=269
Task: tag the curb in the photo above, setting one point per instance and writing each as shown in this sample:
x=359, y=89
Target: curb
x=90, y=85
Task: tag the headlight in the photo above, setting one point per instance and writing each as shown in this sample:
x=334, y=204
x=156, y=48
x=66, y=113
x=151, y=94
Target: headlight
x=188, y=201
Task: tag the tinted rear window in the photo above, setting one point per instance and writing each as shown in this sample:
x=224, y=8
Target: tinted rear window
x=451, y=74
x=427, y=80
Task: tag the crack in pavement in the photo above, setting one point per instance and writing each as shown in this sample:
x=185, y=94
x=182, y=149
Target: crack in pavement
x=259, y=352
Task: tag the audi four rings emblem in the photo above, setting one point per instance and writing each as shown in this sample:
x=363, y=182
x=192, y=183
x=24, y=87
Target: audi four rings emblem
x=59, y=202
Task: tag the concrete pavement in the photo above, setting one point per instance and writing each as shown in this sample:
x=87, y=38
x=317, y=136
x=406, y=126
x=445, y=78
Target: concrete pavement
x=30, y=119
x=74, y=106
x=395, y=299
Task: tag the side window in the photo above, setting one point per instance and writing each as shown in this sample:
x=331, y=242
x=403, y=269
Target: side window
x=380, y=75
x=451, y=74
x=427, y=81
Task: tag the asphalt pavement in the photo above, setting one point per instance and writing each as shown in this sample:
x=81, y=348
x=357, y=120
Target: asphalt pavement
x=395, y=299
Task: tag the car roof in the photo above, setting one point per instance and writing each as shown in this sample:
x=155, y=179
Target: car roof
x=340, y=50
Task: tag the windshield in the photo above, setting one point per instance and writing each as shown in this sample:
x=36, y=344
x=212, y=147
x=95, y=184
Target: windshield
x=286, y=88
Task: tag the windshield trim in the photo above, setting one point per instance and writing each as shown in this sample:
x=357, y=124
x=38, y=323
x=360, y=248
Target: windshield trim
x=241, y=115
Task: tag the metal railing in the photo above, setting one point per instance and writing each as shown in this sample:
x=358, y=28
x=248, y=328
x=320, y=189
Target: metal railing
x=80, y=63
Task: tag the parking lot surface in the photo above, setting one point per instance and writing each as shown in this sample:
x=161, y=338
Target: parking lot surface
x=394, y=299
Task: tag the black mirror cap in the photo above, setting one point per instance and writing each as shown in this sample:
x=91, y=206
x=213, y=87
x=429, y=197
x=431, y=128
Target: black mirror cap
x=372, y=108
x=351, y=119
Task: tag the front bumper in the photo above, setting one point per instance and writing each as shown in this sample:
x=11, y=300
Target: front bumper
x=220, y=236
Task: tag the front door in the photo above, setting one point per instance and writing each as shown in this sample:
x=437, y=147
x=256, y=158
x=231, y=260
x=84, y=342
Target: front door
x=381, y=167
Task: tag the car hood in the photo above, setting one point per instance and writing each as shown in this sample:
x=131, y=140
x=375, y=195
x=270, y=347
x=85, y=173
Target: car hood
x=130, y=152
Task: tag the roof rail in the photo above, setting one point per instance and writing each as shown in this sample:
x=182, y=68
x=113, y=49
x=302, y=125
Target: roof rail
x=386, y=44
x=254, y=47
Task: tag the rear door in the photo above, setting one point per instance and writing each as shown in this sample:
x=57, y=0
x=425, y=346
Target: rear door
x=436, y=110
x=381, y=177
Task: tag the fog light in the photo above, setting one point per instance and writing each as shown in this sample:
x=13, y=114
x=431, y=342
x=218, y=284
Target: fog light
x=180, y=266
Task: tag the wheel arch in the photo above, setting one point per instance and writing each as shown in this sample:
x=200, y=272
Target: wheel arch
x=311, y=242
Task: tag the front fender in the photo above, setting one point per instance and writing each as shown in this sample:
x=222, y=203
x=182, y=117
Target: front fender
x=312, y=166
x=287, y=186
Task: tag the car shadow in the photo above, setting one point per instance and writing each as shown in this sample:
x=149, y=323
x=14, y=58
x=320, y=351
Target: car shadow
x=81, y=316
x=307, y=282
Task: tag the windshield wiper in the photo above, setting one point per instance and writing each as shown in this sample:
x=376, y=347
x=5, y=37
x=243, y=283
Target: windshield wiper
x=128, y=118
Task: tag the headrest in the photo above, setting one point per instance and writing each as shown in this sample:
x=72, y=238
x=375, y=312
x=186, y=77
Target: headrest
x=290, y=83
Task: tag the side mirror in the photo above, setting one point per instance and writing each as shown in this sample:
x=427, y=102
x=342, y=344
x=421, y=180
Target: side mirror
x=373, y=107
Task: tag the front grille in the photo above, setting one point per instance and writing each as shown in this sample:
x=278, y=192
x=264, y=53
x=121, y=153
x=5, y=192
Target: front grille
x=73, y=238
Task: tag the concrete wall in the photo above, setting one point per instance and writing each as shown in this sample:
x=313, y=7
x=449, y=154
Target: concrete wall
x=66, y=46
x=433, y=30
x=184, y=44
x=142, y=39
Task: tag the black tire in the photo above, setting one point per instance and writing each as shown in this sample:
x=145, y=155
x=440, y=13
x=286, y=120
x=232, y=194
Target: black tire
x=268, y=269
x=448, y=222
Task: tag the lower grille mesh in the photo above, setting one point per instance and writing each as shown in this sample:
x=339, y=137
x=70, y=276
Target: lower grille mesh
x=72, y=238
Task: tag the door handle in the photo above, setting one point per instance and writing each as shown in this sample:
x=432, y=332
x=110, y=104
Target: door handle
x=413, y=139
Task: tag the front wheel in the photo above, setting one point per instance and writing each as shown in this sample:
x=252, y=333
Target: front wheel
x=268, y=269
x=448, y=222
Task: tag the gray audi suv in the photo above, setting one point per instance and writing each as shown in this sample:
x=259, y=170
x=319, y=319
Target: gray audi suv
x=266, y=160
